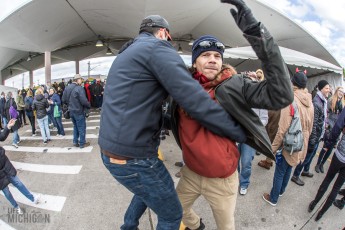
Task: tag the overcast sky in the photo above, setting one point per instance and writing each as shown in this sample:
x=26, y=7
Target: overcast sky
x=322, y=19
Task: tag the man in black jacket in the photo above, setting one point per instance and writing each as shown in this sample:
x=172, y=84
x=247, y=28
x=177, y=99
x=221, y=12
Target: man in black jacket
x=74, y=95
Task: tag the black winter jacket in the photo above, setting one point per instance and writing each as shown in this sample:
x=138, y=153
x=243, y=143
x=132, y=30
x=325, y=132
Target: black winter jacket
x=74, y=95
x=40, y=104
x=2, y=107
x=140, y=78
x=239, y=94
x=319, y=119
x=6, y=167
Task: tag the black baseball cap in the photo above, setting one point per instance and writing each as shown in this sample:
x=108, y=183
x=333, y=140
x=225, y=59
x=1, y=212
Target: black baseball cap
x=154, y=21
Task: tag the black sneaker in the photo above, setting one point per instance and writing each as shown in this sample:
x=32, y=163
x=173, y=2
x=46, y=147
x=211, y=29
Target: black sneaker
x=311, y=206
x=75, y=144
x=339, y=203
x=308, y=174
x=45, y=142
x=297, y=180
x=342, y=192
x=201, y=226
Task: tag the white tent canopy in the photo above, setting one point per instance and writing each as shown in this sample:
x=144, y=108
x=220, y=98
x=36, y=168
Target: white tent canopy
x=245, y=59
x=291, y=57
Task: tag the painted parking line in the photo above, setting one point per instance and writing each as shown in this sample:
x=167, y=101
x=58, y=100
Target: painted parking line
x=66, y=137
x=66, y=129
x=5, y=226
x=88, y=121
x=48, y=149
x=47, y=202
x=56, y=169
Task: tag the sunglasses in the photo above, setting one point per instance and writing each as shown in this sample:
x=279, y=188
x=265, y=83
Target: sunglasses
x=208, y=44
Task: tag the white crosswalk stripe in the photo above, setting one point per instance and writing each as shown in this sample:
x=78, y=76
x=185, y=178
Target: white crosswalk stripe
x=88, y=121
x=56, y=169
x=48, y=149
x=48, y=202
x=66, y=129
x=5, y=226
x=67, y=137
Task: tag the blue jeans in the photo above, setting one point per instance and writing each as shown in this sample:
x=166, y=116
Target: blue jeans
x=245, y=164
x=44, y=127
x=20, y=186
x=58, y=121
x=79, y=128
x=15, y=138
x=305, y=165
x=4, y=121
x=152, y=186
x=281, y=178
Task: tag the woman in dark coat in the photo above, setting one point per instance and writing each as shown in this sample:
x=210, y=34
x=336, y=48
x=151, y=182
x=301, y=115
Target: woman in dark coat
x=8, y=174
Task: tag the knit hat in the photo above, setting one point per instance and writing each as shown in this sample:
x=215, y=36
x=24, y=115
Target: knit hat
x=321, y=84
x=299, y=79
x=206, y=43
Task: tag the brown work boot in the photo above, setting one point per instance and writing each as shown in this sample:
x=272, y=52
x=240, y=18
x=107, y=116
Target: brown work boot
x=265, y=164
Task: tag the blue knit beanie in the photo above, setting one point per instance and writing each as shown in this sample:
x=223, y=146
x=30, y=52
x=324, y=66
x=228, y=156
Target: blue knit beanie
x=197, y=50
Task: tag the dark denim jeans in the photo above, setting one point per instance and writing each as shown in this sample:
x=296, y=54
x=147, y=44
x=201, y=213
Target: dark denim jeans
x=58, y=121
x=152, y=186
x=305, y=165
x=32, y=122
x=281, y=178
x=51, y=119
x=245, y=164
x=79, y=128
x=336, y=167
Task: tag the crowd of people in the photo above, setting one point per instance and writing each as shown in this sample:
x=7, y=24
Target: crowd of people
x=236, y=114
x=215, y=138
x=42, y=105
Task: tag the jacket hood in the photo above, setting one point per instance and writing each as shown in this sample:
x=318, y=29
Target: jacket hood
x=304, y=96
x=39, y=97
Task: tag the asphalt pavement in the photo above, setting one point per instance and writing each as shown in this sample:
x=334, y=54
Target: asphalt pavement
x=79, y=193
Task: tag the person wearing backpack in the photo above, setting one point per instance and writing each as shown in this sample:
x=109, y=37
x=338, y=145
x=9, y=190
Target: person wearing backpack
x=319, y=124
x=29, y=112
x=288, y=159
x=11, y=113
x=40, y=104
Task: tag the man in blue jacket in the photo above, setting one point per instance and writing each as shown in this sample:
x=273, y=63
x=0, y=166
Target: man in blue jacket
x=144, y=73
x=74, y=96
